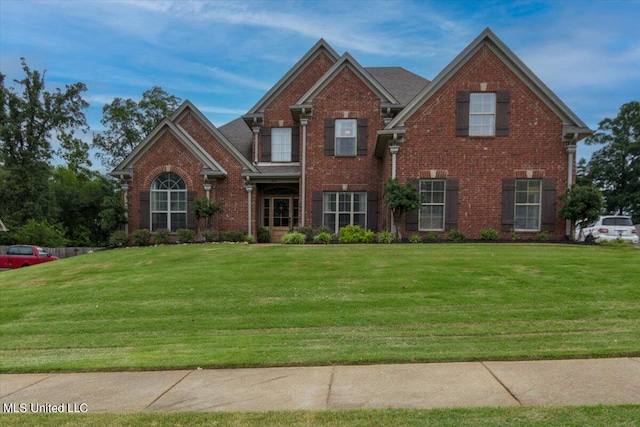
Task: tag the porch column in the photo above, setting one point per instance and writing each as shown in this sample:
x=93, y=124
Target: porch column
x=303, y=171
x=207, y=189
x=256, y=131
x=249, y=189
x=394, y=151
x=125, y=196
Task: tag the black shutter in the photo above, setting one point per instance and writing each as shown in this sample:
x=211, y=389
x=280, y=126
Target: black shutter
x=145, y=209
x=295, y=144
x=462, y=113
x=329, y=137
x=508, y=204
x=548, y=215
x=192, y=222
x=412, y=216
x=451, y=205
x=372, y=210
x=502, y=113
x=316, y=209
x=266, y=144
x=362, y=137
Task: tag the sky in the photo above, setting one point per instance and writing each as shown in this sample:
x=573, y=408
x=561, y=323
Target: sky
x=224, y=55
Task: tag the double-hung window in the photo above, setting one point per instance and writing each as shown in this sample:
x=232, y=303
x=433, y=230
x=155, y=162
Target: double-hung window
x=346, y=137
x=168, y=202
x=527, y=205
x=432, y=198
x=482, y=114
x=281, y=144
x=344, y=208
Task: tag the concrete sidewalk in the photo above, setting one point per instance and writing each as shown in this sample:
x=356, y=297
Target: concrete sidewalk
x=431, y=385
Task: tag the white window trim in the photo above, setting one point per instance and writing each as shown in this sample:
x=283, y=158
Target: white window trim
x=516, y=205
x=338, y=137
x=491, y=114
x=443, y=204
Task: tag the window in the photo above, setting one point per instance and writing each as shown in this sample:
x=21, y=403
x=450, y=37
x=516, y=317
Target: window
x=432, y=195
x=168, y=202
x=346, y=136
x=482, y=114
x=341, y=209
x=527, y=214
x=281, y=144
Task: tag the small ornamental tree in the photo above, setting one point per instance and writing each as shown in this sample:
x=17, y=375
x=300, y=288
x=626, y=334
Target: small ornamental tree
x=582, y=204
x=205, y=208
x=400, y=199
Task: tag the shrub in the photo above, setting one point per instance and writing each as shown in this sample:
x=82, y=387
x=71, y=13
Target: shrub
x=543, y=236
x=307, y=231
x=41, y=234
x=415, y=238
x=141, y=237
x=186, y=236
x=456, y=235
x=432, y=237
x=118, y=239
x=322, y=238
x=489, y=234
x=385, y=237
x=263, y=235
x=250, y=239
x=369, y=237
x=233, y=236
x=514, y=236
x=294, y=238
x=162, y=236
x=351, y=234
x=209, y=236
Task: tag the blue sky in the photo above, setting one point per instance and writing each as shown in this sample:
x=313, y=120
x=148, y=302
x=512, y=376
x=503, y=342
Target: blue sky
x=224, y=55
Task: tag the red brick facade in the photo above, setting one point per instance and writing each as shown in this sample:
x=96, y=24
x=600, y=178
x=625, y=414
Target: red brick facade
x=479, y=171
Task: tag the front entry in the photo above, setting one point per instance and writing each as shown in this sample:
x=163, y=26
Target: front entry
x=280, y=214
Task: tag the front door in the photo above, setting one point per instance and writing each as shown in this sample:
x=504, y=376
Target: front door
x=281, y=214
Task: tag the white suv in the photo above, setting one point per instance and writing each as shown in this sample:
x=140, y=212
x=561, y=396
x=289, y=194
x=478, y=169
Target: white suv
x=610, y=228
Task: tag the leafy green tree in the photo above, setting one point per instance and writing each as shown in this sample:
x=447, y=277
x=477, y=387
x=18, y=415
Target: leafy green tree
x=615, y=168
x=400, y=199
x=30, y=117
x=127, y=123
x=40, y=233
x=205, y=208
x=582, y=204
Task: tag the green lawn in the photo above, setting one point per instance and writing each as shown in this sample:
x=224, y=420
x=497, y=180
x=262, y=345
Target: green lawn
x=261, y=305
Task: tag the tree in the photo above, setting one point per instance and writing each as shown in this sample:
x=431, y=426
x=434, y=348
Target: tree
x=30, y=117
x=205, y=208
x=615, y=168
x=582, y=204
x=128, y=123
x=400, y=199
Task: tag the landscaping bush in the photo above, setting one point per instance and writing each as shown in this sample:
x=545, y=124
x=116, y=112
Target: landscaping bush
x=41, y=234
x=415, y=238
x=322, y=238
x=233, y=236
x=250, y=239
x=209, y=236
x=543, y=236
x=352, y=234
x=307, y=231
x=118, y=239
x=263, y=235
x=456, y=235
x=186, y=236
x=141, y=237
x=489, y=234
x=385, y=237
x=294, y=238
x=162, y=236
x=369, y=237
x=432, y=237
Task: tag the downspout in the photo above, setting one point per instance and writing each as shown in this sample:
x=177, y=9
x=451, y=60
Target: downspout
x=303, y=171
x=571, y=151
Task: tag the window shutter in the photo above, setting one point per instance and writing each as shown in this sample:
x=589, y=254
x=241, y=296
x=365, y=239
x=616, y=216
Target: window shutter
x=548, y=214
x=462, y=113
x=372, y=210
x=145, y=209
x=266, y=144
x=192, y=222
x=295, y=144
x=329, y=137
x=362, y=137
x=412, y=216
x=502, y=113
x=316, y=209
x=451, y=205
x=508, y=204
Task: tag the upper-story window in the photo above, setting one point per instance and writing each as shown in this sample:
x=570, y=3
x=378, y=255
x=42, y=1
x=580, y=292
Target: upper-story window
x=482, y=114
x=281, y=144
x=346, y=137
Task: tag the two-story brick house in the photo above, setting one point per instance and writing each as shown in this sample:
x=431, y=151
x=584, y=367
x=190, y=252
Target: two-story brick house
x=486, y=142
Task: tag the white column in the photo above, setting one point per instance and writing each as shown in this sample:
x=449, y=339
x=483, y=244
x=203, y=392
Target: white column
x=256, y=131
x=303, y=171
x=249, y=189
x=207, y=189
x=394, y=151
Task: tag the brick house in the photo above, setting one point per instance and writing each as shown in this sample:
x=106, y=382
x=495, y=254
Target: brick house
x=487, y=144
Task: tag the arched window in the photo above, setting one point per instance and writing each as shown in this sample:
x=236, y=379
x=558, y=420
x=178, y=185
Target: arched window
x=168, y=202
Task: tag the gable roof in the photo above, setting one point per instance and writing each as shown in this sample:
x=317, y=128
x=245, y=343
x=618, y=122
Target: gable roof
x=321, y=47
x=571, y=122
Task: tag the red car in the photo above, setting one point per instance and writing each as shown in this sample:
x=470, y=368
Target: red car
x=23, y=256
